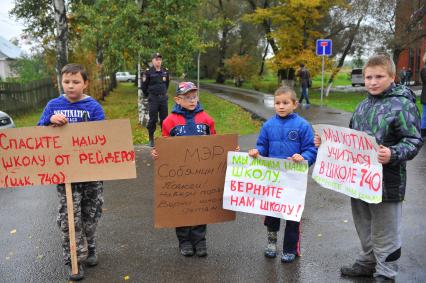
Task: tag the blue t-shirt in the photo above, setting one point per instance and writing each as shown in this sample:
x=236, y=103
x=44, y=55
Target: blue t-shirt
x=87, y=109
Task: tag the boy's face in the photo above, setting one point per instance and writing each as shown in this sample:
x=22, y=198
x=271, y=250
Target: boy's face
x=377, y=79
x=73, y=85
x=284, y=105
x=188, y=100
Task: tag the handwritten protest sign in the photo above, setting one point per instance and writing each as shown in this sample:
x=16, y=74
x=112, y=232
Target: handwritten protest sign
x=347, y=163
x=189, y=177
x=266, y=186
x=73, y=153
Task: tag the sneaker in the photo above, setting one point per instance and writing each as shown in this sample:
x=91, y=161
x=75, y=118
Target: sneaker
x=201, y=251
x=381, y=278
x=92, y=258
x=76, y=277
x=287, y=257
x=357, y=270
x=187, y=250
x=271, y=247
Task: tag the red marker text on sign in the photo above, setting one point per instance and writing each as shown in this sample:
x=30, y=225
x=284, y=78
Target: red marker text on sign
x=33, y=143
x=88, y=140
x=109, y=157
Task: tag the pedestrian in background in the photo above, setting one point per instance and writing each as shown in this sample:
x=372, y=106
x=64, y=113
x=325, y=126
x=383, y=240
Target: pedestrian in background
x=402, y=76
x=305, y=83
x=155, y=82
x=408, y=76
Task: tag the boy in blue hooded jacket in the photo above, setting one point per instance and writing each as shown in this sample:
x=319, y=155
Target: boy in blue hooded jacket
x=285, y=135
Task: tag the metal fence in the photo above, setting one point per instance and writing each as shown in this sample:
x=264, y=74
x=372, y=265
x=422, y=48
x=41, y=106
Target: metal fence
x=16, y=98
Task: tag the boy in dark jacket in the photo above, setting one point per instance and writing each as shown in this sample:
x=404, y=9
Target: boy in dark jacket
x=389, y=113
x=285, y=135
x=74, y=107
x=188, y=119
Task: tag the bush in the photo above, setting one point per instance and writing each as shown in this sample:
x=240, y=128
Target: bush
x=256, y=83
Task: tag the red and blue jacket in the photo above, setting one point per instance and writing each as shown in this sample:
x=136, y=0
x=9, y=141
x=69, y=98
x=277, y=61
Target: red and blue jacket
x=182, y=122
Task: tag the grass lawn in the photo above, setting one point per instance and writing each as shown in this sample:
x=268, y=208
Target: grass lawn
x=122, y=103
x=343, y=101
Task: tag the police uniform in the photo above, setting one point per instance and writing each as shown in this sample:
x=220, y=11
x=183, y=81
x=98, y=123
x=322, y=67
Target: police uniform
x=154, y=86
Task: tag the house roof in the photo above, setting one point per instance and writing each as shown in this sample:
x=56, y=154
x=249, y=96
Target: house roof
x=8, y=49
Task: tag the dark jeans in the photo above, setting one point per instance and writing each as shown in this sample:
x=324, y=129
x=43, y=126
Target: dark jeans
x=291, y=235
x=157, y=107
x=192, y=235
x=304, y=94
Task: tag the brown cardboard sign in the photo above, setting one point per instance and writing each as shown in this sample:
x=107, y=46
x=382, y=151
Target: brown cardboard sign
x=90, y=151
x=189, y=180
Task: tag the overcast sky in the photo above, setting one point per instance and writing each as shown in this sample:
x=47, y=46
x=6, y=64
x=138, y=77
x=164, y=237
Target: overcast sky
x=9, y=27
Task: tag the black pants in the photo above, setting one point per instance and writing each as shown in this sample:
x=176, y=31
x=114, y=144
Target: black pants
x=157, y=107
x=192, y=235
x=291, y=235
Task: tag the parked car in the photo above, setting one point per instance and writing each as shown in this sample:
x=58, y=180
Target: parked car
x=6, y=121
x=357, y=77
x=125, y=77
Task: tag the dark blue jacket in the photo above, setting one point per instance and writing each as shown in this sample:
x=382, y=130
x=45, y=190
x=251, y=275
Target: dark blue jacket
x=281, y=137
x=87, y=109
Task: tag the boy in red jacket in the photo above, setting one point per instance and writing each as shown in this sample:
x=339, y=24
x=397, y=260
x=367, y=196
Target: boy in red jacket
x=188, y=119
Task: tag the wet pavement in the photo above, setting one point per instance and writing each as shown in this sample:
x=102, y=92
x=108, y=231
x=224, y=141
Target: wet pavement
x=129, y=245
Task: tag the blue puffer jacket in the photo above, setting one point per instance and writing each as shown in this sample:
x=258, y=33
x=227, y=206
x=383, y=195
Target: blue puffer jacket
x=281, y=137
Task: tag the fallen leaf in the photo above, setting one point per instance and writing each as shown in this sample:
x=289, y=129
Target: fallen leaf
x=13, y=231
x=40, y=256
x=346, y=221
x=126, y=277
x=7, y=258
x=148, y=164
x=319, y=235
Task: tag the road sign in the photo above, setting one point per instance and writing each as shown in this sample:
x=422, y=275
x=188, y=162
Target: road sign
x=324, y=47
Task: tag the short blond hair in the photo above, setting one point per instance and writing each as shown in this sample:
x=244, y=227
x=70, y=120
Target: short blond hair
x=381, y=60
x=286, y=90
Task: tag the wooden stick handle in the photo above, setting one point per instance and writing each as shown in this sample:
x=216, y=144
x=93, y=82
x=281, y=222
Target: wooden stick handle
x=71, y=228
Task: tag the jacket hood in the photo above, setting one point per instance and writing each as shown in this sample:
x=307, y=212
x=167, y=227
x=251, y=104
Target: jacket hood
x=185, y=112
x=398, y=90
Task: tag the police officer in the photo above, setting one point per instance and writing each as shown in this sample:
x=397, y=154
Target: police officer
x=155, y=82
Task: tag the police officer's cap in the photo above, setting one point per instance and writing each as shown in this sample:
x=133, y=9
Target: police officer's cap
x=156, y=55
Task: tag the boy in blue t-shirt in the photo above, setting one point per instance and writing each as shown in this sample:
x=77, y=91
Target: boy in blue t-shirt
x=285, y=135
x=74, y=107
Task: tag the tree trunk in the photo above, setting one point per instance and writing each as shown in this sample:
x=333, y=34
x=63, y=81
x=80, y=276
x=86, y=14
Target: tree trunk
x=220, y=79
x=262, y=66
x=61, y=39
x=342, y=58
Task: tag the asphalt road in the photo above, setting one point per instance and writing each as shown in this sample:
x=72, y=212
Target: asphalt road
x=128, y=244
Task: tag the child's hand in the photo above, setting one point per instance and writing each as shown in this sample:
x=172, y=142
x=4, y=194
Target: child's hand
x=58, y=120
x=317, y=140
x=154, y=154
x=296, y=157
x=253, y=153
x=237, y=148
x=384, y=154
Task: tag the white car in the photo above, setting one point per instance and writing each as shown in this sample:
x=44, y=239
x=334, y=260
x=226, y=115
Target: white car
x=6, y=121
x=125, y=77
